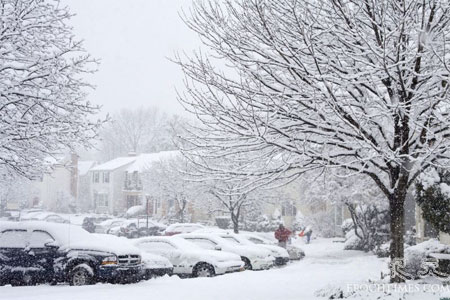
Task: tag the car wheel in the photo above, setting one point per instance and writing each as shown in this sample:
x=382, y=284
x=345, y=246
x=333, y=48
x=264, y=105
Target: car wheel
x=80, y=276
x=247, y=264
x=203, y=270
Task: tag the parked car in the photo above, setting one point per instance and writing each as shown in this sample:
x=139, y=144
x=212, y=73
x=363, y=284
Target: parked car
x=38, y=252
x=105, y=226
x=295, y=253
x=280, y=254
x=44, y=216
x=156, y=265
x=134, y=228
x=254, y=258
x=178, y=228
x=188, y=259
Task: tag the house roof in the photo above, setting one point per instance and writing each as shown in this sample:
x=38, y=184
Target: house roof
x=84, y=166
x=115, y=163
x=144, y=161
x=135, y=163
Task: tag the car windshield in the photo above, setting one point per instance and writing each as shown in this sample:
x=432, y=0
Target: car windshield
x=231, y=240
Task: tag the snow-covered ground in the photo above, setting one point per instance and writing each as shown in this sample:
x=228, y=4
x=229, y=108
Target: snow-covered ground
x=326, y=267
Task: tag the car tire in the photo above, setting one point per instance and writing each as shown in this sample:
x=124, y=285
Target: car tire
x=203, y=270
x=247, y=263
x=80, y=276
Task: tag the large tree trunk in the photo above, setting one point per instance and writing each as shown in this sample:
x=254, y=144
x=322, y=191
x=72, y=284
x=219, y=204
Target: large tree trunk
x=235, y=221
x=397, y=214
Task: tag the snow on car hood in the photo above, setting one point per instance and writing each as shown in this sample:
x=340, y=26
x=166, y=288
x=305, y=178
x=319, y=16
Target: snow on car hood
x=153, y=261
x=213, y=255
x=276, y=251
x=246, y=250
x=73, y=237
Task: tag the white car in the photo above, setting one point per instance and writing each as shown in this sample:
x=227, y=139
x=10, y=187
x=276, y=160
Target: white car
x=189, y=259
x=105, y=226
x=280, y=254
x=178, y=228
x=156, y=265
x=44, y=216
x=295, y=253
x=255, y=258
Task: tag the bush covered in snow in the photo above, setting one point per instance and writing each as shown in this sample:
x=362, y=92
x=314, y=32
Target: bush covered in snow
x=262, y=223
x=433, y=197
x=415, y=255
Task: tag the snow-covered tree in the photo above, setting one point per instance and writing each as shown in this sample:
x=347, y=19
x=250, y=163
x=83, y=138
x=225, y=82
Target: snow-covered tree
x=356, y=85
x=166, y=181
x=42, y=86
x=141, y=130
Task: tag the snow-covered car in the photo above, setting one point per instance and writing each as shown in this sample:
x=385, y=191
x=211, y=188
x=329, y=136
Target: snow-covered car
x=156, y=265
x=189, y=259
x=178, y=228
x=280, y=254
x=44, y=216
x=134, y=228
x=295, y=252
x=37, y=252
x=254, y=258
x=105, y=226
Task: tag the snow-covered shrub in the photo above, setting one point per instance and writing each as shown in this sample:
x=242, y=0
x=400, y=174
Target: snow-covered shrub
x=352, y=241
x=415, y=255
x=370, y=224
x=347, y=225
x=433, y=197
x=383, y=250
x=262, y=223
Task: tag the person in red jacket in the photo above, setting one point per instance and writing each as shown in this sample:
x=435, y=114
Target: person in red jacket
x=282, y=235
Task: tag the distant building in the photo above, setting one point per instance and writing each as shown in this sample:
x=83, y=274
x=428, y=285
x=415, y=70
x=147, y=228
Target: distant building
x=117, y=185
x=58, y=190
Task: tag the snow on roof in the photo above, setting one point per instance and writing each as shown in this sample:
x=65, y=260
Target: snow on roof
x=144, y=161
x=85, y=166
x=115, y=163
x=136, y=163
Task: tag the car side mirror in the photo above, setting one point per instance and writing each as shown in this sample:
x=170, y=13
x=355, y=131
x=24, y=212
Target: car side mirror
x=218, y=248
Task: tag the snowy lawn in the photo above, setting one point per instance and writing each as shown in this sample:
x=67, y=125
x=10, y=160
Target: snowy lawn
x=326, y=267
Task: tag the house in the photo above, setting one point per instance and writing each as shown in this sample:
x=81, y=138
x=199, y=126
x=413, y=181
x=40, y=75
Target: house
x=107, y=181
x=58, y=190
x=117, y=184
x=84, y=200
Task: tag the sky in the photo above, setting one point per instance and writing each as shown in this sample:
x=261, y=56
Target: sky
x=133, y=39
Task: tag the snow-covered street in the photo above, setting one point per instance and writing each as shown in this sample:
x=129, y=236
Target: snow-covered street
x=325, y=265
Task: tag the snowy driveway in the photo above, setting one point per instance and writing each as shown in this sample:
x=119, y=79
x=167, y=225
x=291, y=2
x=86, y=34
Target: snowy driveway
x=325, y=264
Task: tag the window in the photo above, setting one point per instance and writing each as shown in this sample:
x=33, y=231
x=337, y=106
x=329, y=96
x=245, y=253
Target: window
x=96, y=177
x=101, y=200
x=106, y=177
x=156, y=246
x=288, y=209
x=39, y=238
x=13, y=239
x=255, y=240
x=203, y=243
x=231, y=239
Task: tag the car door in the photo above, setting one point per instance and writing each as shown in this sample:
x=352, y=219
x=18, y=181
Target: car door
x=166, y=250
x=13, y=254
x=44, y=253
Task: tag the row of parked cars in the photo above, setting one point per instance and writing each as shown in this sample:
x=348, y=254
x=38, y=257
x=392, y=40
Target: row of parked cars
x=34, y=252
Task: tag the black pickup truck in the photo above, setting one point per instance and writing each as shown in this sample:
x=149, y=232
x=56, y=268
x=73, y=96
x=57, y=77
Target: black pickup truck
x=42, y=252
